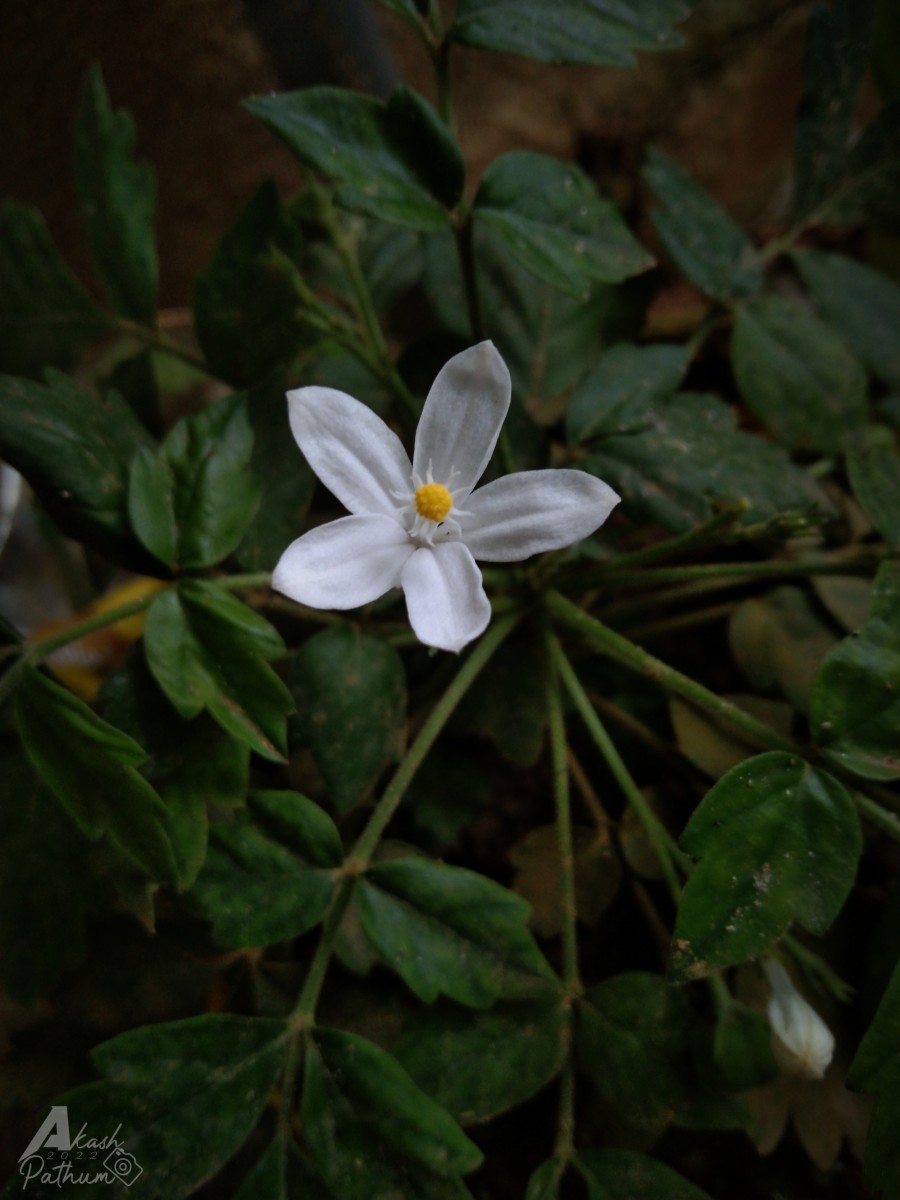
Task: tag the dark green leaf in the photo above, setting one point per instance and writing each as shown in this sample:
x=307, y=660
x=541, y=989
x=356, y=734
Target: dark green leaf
x=855, y=704
x=478, y=1065
x=545, y=1182
x=510, y=704
x=46, y=317
x=552, y=220
x=206, y=649
x=269, y=874
x=620, y=393
x=136, y=382
x=446, y=793
x=249, y=303
x=703, y=241
x=448, y=930
x=778, y=841
x=282, y=1173
x=875, y=479
x=350, y=697
x=570, y=31
x=392, y=261
x=214, y=772
x=550, y=339
x=185, y=1096
x=90, y=767
x=117, y=202
x=42, y=884
x=869, y=190
x=876, y=1068
x=191, y=501
x=283, y=477
x=631, y=1042
x=862, y=304
x=686, y=454
x=75, y=451
x=373, y=1134
x=395, y=161
x=410, y=10
x=797, y=376
x=742, y=1048
x=624, y=1175
x=837, y=49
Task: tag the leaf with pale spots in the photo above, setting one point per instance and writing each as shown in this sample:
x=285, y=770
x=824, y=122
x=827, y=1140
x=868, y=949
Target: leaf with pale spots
x=855, y=703
x=451, y=931
x=778, y=841
x=371, y=1131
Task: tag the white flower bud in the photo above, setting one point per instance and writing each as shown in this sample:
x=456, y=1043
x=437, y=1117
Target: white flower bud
x=802, y=1043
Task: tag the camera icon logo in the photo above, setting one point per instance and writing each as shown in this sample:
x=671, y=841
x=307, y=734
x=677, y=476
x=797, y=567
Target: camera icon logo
x=124, y=1166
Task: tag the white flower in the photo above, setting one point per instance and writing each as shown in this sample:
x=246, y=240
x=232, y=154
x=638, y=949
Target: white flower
x=803, y=1044
x=419, y=525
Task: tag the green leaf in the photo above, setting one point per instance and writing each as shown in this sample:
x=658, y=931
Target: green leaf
x=75, y=451
x=190, y=502
x=545, y=1182
x=551, y=219
x=117, y=202
x=742, y=1048
x=135, y=380
x=702, y=240
x=396, y=161
x=570, y=31
x=283, y=479
x=624, y=1175
x=631, y=1042
x=862, y=305
x=868, y=192
x=855, y=704
x=269, y=873
x=778, y=841
x=282, y=1173
x=372, y=1133
x=207, y=649
x=42, y=884
x=183, y=1097
x=797, y=376
x=478, y=1065
x=837, y=51
x=448, y=930
x=876, y=1068
x=350, y=696
x=620, y=393
x=249, y=304
x=90, y=767
x=510, y=704
x=46, y=317
x=686, y=454
x=875, y=478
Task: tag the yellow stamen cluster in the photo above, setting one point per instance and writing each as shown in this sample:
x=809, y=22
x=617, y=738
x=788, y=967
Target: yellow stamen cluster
x=433, y=501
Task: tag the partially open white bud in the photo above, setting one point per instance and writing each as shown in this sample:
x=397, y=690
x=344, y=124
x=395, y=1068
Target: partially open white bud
x=802, y=1043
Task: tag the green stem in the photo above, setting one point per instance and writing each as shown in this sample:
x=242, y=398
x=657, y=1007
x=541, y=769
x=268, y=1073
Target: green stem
x=703, y=535
x=619, y=648
x=360, y=855
x=663, y=843
x=610, y=575
x=154, y=339
x=562, y=805
x=682, y=621
x=565, y=1130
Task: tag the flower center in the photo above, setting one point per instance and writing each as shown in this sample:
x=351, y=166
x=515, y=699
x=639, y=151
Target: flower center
x=433, y=501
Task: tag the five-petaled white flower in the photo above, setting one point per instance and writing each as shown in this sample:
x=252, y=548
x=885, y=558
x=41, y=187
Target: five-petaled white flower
x=419, y=525
x=803, y=1044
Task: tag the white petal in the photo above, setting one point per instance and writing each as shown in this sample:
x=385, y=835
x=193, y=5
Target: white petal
x=444, y=596
x=350, y=448
x=462, y=416
x=345, y=563
x=523, y=514
x=797, y=1026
